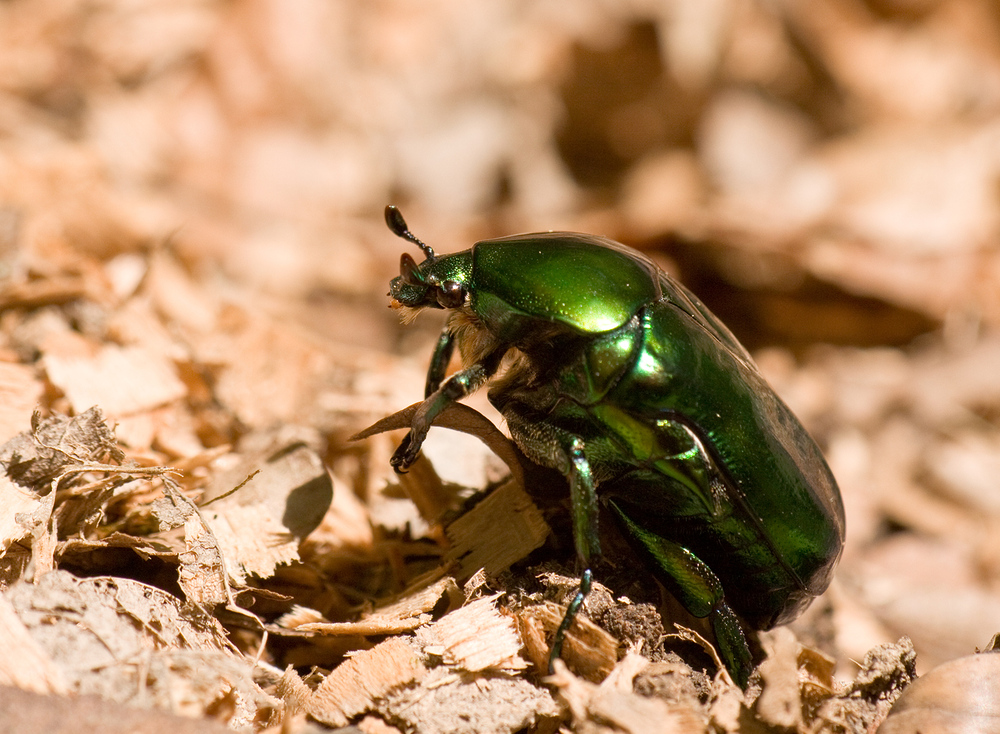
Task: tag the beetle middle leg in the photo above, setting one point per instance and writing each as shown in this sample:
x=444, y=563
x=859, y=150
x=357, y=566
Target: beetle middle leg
x=558, y=449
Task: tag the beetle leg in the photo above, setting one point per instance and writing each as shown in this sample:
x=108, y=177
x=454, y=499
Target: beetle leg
x=695, y=586
x=454, y=388
x=439, y=362
x=561, y=450
x=584, y=509
x=586, y=581
x=584, y=512
x=583, y=499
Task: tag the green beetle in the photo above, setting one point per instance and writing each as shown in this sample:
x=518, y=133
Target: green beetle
x=619, y=378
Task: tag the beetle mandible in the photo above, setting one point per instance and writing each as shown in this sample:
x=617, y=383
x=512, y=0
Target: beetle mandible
x=622, y=380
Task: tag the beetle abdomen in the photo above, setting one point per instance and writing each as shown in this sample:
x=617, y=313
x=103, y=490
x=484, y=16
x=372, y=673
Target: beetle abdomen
x=784, y=498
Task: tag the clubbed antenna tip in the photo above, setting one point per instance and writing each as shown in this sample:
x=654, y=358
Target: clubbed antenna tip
x=394, y=220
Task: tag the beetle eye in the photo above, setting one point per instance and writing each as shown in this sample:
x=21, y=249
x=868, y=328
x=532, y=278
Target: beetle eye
x=451, y=294
x=409, y=271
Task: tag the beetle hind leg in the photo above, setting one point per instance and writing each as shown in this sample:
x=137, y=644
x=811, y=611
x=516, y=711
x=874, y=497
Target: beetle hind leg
x=697, y=588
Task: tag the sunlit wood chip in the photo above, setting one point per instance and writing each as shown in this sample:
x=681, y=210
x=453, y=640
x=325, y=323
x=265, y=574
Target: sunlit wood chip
x=447, y=702
x=18, y=505
x=614, y=703
x=476, y=637
x=589, y=650
x=293, y=691
x=354, y=685
x=298, y=616
x=780, y=700
x=201, y=574
x=260, y=525
x=405, y=615
x=498, y=532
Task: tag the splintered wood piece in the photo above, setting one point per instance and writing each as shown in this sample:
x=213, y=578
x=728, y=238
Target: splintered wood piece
x=780, y=701
x=589, y=650
x=78, y=548
x=498, y=532
x=353, y=686
x=128, y=632
x=293, y=691
x=614, y=703
x=260, y=526
x=476, y=637
x=202, y=574
x=55, y=444
x=449, y=703
x=18, y=505
x=403, y=616
x=377, y=624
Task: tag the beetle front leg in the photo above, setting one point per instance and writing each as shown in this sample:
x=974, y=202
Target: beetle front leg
x=454, y=388
x=439, y=362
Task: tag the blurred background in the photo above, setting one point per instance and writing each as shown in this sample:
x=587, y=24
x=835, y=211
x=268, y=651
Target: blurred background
x=203, y=181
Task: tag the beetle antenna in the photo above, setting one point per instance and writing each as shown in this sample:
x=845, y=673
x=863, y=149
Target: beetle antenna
x=397, y=224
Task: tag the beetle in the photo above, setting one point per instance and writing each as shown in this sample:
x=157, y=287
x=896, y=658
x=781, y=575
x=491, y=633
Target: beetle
x=610, y=371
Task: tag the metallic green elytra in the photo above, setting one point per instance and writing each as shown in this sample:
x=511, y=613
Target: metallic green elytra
x=619, y=378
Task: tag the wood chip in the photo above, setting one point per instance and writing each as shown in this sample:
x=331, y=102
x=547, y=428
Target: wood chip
x=260, y=525
x=477, y=637
x=34, y=458
x=117, y=626
x=614, y=703
x=446, y=703
x=780, y=700
x=18, y=505
x=122, y=380
x=293, y=691
x=353, y=687
x=202, y=574
x=498, y=532
x=589, y=650
x=403, y=616
x=26, y=712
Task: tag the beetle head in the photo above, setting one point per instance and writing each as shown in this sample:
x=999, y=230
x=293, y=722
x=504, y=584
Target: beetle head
x=431, y=283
